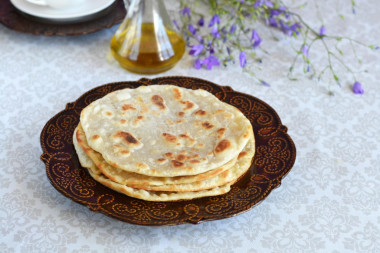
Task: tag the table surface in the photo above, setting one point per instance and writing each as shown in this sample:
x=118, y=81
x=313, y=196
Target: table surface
x=329, y=202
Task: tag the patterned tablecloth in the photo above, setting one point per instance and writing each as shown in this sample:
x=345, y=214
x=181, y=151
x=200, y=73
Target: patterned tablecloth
x=329, y=202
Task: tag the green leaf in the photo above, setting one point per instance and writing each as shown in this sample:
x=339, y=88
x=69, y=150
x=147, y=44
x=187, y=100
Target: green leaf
x=342, y=16
x=336, y=78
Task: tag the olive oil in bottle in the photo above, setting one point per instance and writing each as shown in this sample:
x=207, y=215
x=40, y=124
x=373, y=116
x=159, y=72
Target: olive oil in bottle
x=145, y=42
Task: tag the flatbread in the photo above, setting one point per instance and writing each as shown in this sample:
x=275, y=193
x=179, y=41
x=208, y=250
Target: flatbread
x=95, y=173
x=231, y=175
x=177, y=183
x=84, y=160
x=157, y=196
x=165, y=130
x=137, y=180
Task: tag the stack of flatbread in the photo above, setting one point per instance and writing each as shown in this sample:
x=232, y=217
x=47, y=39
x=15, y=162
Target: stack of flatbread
x=164, y=143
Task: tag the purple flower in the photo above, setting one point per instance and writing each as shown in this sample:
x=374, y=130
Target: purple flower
x=196, y=49
x=305, y=51
x=191, y=29
x=322, y=31
x=199, y=38
x=186, y=11
x=258, y=3
x=264, y=83
x=283, y=9
x=294, y=28
x=289, y=30
x=214, y=19
x=357, y=88
x=232, y=29
x=224, y=31
x=198, y=64
x=214, y=31
x=269, y=4
x=256, y=38
x=210, y=62
x=211, y=50
x=284, y=27
x=272, y=22
x=201, y=22
x=228, y=50
x=243, y=59
x=275, y=12
x=176, y=24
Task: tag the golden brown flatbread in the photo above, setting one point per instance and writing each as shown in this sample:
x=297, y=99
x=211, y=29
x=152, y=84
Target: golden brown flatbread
x=165, y=130
x=180, y=184
x=137, y=180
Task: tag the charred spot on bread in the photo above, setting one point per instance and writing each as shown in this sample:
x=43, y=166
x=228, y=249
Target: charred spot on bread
x=158, y=101
x=128, y=137
x=200, y=113
x=177, y=164
x=177, y=94
x=207, y=125
x=222, y=146
x=169, y=137
x=127, y=107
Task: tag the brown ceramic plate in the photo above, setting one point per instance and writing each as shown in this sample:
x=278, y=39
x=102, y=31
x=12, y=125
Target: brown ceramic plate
x=274, y=158
x=21, y=22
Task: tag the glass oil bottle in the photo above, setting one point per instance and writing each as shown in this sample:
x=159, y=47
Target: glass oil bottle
x=146, y=42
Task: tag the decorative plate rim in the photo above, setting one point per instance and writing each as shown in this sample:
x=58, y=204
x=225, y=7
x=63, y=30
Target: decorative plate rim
x=192, y=218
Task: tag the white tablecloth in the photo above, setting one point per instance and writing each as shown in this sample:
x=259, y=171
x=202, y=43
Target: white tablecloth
x=329, y=202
